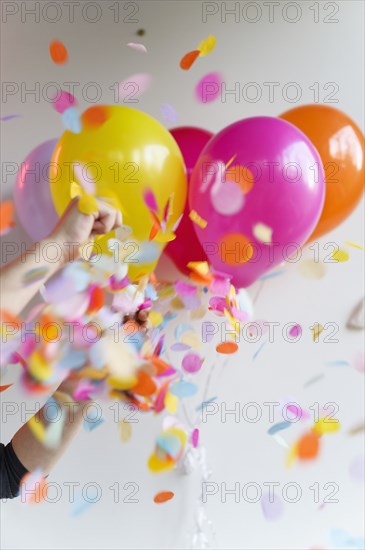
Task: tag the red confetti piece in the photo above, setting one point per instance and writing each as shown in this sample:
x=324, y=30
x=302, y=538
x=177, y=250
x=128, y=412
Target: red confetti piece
x=58, y=52
x=97, y=299
x=95, y=116
x=227, y=347
x=6, y=217
x=3, y=388
x=188, y=59
x=163, y=496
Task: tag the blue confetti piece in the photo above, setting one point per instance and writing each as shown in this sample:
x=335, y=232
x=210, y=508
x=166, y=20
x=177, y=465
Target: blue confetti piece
x=80, y=505
x=169, y=443
x=278, y=427
x=183, y=389
x=91, y=424
x=205, y=403
x=169, y=113
x=71, y=120
x=74, y=359
x=338, y=363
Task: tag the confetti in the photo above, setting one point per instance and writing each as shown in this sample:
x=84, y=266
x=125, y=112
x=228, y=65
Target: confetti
x=137, y=46
x=9, y=117
x=170, y=115
x=272, y=506
x=311, y=269
x=317, y=329
x=150, y=200
x=3, y=388
x=194, y=216
x=192, y=363
x=63, y=101
x=340, y=255
x=207, y=46
x=239, y=242
x=58, y=52
x=88, y=204
x=314, y=380
x=227, y=198
x=33, y=487
x=195, y=438
x=356, y=320
x=183, y=389
x=125, y=430
x=95, y=116
x=188, y=60
x=71, y=120
x=354, y=245
x=337, y=363
x=326, y=425
x=308, y=446
x=6, y=217
x=163, y=496
x=278, y=427
x=208, y=88
x=227, y=347
x=134, y=86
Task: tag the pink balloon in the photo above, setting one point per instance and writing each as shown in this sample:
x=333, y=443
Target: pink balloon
x=32, y=195
x=279, y=175
x=186, y=247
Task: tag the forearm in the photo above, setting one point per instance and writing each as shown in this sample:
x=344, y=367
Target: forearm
x=22, y=278
x=34, y=454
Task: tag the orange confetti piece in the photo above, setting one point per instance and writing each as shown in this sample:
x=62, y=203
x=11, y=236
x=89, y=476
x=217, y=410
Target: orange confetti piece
x=3, y=388
x=242, y=176
x=97, y=300
x=34, y=492
x=6, y=217
x=58, y=52
x=95, y=116
x=188, y=59
x=227, y=347
x=308, y=446
x=145, y=385
x=154, y=230
x=163, y=496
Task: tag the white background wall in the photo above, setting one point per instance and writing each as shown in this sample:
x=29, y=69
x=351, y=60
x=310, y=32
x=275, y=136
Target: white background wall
x=304, y=52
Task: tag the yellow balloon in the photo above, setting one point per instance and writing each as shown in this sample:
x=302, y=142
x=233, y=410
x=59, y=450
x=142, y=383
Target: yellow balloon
x=131, y=159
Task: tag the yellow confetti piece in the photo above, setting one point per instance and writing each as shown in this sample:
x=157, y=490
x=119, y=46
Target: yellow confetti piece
x=292, y=455
x=155, y=318
x=37, y=428
x=326, y=425
x=122, y=383
x=199, y=267
x=87, y=204
x=125, y=430
x=312, y=269
x=177, y=303
x=316, y=331
x=198, y=313
x=166, y=237
x=191, y=339
x=38, y=367
x=171, y=402
x=207, y=45
x=263, y=233
x=354, y=245
x=156, y=465
x=340, y=255
x=194, y=216
x=233, y=322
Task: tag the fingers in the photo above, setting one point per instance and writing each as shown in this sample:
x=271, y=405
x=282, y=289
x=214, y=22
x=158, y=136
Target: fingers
x=107, y=219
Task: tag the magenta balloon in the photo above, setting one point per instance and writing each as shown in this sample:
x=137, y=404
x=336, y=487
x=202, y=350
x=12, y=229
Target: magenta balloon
x=186, y=247
x=275, y=194
x=32, y=194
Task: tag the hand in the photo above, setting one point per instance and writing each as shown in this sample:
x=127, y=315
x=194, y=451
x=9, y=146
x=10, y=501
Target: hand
x=75, y=229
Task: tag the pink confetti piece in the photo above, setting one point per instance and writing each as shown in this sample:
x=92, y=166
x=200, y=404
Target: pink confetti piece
x=192, y=363
x=150, y=200
x=295, y=331
x=179, y=346
x=133, y=87
x=208, y=88
x=184, y=289
x=62, y=101
x=137, y=46
x=298, y=412
x=359, y=362
x=195, y=438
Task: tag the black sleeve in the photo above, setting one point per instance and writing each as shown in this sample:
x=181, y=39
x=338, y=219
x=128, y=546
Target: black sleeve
x=11, y=472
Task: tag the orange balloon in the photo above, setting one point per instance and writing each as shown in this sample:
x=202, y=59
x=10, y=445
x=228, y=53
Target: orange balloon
x=340, y=145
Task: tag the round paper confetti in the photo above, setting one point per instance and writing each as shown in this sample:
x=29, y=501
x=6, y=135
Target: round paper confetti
x=163, y=496
x=340, y=255
x=192, y=363
x=312, y=270
x=188, y=59
x=308, y=446
x=206, y=46
x=227, y=347
x=63, y=100
x=95, y=116
x=58, y=52
x=241, y=175
x=208, y=88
